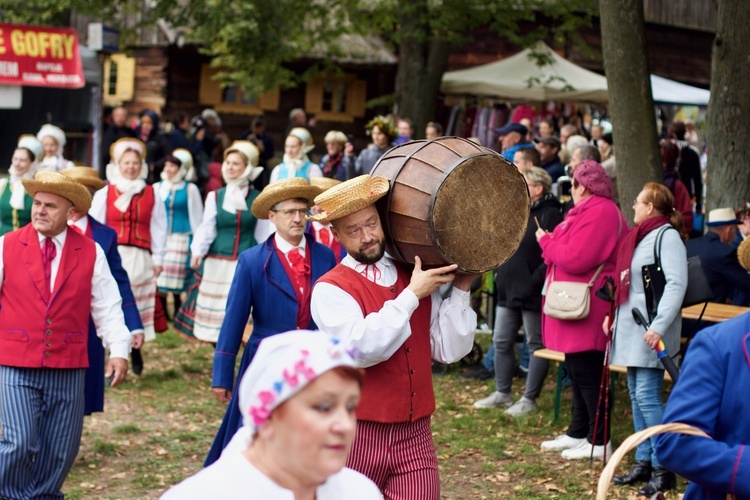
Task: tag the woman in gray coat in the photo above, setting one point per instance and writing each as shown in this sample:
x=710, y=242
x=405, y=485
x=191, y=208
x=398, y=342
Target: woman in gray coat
x=655, y=217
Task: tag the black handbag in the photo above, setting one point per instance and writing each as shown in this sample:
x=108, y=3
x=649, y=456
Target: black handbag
x=698, y=289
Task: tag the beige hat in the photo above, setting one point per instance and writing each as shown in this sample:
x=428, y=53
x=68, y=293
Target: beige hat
x=59, y=184
x=350, y=197
x=304, y=136
x=285, y=189
x=743, y=254
x=185, y=157
x=324, y=183
x=87, y=176
x=246, y=149
x=30, y=142
x=49, y=130
x=118, y=148
x=722, y=217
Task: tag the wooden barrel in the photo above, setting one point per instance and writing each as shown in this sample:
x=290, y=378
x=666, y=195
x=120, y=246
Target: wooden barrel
x=452, y=202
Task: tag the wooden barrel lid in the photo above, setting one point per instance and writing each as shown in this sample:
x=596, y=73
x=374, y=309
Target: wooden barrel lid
x=480, y=212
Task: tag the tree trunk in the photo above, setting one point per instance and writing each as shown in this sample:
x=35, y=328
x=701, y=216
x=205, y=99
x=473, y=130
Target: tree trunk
x=630, y=101
x=422, y=62
x=728, y=134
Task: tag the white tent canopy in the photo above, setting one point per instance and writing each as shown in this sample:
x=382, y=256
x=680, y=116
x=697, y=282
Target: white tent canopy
x=670, y=92
x=520, y=77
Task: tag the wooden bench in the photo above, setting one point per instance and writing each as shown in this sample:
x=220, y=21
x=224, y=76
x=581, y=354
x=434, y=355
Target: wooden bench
x=715, y=312
x=560, y=357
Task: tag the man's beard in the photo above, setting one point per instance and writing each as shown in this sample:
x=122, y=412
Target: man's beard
x=374, y=254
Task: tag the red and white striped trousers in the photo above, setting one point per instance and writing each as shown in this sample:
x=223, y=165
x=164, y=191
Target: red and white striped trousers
x=400, y=458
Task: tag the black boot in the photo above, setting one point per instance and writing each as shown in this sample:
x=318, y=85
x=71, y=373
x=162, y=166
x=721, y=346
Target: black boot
x=137, y=360
x=661, y=480
x=639, y=473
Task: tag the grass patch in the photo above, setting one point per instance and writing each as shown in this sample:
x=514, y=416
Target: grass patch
x=105, y=448
x=127, y=429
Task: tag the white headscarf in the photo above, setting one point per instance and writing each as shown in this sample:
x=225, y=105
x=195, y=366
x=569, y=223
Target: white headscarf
x=173, y=184
x=283, y=365
x=234, y=200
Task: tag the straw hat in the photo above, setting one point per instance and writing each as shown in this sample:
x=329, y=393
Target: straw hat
x=743, y=254
x=350, y=197
x=324, y=183
x=118, y=148
x=285, y=189
x=30, y=142
x=87, y=176
x=57, y=183
x=49, y=130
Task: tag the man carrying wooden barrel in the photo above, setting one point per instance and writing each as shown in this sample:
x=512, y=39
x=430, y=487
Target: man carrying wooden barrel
x=397, y=321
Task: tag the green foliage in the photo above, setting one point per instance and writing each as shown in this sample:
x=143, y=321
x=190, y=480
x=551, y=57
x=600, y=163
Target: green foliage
x=254, y=43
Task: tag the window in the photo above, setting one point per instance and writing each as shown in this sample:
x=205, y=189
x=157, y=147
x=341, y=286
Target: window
x=231, y=99
x=119, y=79
x=336, y=98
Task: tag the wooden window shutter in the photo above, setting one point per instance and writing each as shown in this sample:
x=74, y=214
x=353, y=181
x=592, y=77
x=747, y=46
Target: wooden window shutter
x=314, y=96
x=270, y=100
x=125, y=76
x=209, y=92
x=357, y=98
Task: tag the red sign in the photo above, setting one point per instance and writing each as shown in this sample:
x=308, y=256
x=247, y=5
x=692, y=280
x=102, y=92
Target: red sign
x=40, y=56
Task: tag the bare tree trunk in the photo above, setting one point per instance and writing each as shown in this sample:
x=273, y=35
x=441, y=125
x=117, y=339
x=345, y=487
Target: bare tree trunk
x=422, y=62
x=630, y=99
x=728, y=133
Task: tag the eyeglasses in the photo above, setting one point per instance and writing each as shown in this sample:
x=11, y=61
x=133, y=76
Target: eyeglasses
x=637, y=201
x=576, y=184
x=290, y=212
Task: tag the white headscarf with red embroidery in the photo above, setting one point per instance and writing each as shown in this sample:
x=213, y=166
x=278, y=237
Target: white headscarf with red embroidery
x=283, y=365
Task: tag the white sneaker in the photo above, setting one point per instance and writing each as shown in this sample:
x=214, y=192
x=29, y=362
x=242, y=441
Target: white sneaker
x=562, y=442
x=521, y=407
x=584, y=451
x=495, y=400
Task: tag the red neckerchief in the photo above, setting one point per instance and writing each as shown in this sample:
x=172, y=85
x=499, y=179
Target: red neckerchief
x=625, y=255
x=303, y=297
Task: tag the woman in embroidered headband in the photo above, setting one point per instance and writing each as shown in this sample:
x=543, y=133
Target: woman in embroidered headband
x=655, y=215
x=298, y=399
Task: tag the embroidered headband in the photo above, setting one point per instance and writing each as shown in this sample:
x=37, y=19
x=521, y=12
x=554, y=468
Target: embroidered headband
x=283, y=366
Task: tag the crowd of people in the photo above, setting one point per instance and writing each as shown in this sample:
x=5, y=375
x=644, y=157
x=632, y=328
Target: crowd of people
x=245, y=250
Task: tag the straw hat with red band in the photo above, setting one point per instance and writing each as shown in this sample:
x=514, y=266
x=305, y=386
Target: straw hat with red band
x=59, y=184
x=285, y=189
x=87, y=176
x=350, y=197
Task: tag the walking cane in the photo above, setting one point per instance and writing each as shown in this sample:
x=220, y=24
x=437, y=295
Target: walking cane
x=661, y=350
x=605, y=292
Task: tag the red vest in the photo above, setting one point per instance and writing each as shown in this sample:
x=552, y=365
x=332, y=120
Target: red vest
x=400, y=388
x=39, y=329
x=134, y=226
